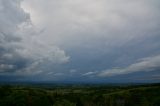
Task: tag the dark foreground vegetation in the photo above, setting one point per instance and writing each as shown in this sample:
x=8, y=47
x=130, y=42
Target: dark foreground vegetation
x=91, y=95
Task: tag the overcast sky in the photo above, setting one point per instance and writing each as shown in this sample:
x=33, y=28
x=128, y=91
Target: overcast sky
x=80, y=40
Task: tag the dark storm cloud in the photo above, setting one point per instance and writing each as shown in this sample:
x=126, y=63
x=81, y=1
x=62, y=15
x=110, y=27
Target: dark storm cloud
x=20, y=51
x=11, y=15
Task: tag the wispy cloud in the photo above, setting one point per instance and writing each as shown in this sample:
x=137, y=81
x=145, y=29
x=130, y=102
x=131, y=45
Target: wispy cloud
x=145, y=64
x=89, y=73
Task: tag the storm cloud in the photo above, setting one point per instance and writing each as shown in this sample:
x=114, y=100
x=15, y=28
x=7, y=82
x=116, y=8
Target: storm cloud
x=49, y=38
x=21, y=50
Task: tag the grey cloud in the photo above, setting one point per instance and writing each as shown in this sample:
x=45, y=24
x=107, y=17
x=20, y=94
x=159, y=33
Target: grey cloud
x=85, y=21
x=146, y=64
x=96, y=35
x=91, y=31
x=72, y=71
x=59, y=74
x=4, y=67
x=20, y=44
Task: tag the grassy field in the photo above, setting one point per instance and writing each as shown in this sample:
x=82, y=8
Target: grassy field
x=80, y=95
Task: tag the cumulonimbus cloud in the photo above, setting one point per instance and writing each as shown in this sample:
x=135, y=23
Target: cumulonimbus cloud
x=145, y=64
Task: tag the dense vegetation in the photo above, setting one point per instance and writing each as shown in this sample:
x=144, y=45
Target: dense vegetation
x=140, y=95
